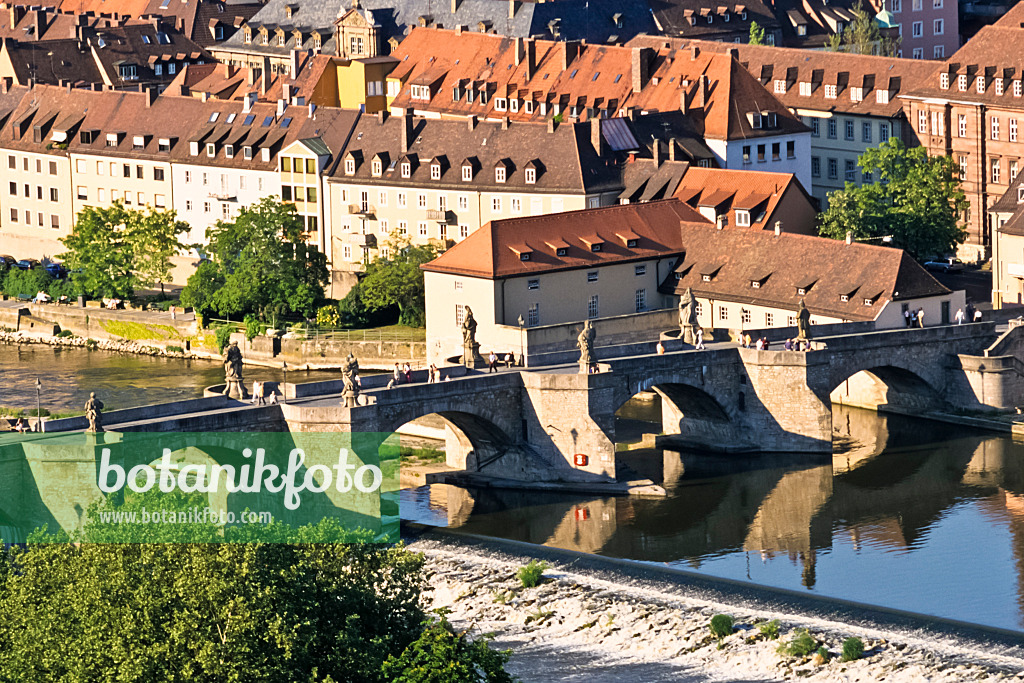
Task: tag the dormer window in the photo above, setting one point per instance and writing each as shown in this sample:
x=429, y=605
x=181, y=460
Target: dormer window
x=435, y=171
x=513, y=106
x=247, y=153
x=499, y=174
x=1016, y=88
x=999, y=86
x=868, y=302
x=844, y=297
x=831, y=92
x=317, y=41
x=229, y=151
x=780, y=86
x=944, y=81
x=525, y=256
x=406, y=169
x=882, y=96
x=531, y=176
x=979, y=84
x=856, y=94
x=755, y=284
x=500, y=104
x=632, y=243
x=420, y=92
x=1020, y=194
x=350, y=166
x=706, y=277
x=801, y=291
x=961, y=82
x=805, y=89
x=211, y=149
x=377, y=168
x=742, y=218
x=247, y=35
x=562, y=251
x=467, y=172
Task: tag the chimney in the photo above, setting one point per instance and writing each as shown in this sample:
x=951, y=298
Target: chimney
x=455, y=6
x=641, y=57
x=682, y=100
x=265, y=76
x=571, y=49
x=511, y=9
x=778, y=228
x=250, y=75
x=249, y=101
x=519, y=51
x=671, y=149
x=408, y=131
x=286, y=92
x=40, y=24
x=17, y=12
x=382, y=116
x=531, y=57
x=732, y=53
x=293, y=66
x=694, y=53
x=656, y=151
x=471, y=120
x=150, y=96
x=311, y=110
x=595, y=136
x=849, y=237
x=719, y=221
x=205, y=96
x=702, y=91
x=281, y=106
x=504, y=123
x=551, y=125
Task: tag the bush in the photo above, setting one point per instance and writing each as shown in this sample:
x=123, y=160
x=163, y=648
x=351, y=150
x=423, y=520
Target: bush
x=441, y=654
x=91, y=344
x=254, y=327
x=64, y=334
x=171, y=348
x=824, y=654
x=802, y=644
x=328, y=317
x=769, y=629
x=223, y=333
x=853, y=648
x=530, y=575
x=26, y=282
x=721, y=626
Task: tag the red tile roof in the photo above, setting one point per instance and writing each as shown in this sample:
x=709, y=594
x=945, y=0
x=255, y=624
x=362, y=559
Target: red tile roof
x=756, y=191
x=495, y=250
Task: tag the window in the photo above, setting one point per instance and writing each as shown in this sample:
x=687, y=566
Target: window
x=421, y=201
x=592, y=306
x=101, y=195
x=422, y=227
x=1013, y=170
x=816, y=167
x=517, y=205
x=744, y=316
x=592, y=276
x=833, y=169
x=376, y=168
x=12, y=161
x=883, y=132
x=640, y=270
x=962, y=125
x=979, y=84
x=533, y=284
x=53, y=195
x=922, y=121
x=833, y=129
x=868, y=177
x=160, y=201
x=865, y=132
x=742, y=217
x=355, y=45
x=815, y=127
x=467, y=172
x=937, y=28
x=938, y=52
x=805, y=89
x=791, y=150
x=383, y=224
x=640, y=298
x=403, y=228
x=406, y=169
x=850, y=167
x=1013, y=130
x=994, y=128
x=82, y=192
x=531, y=176
x=1016, y=88
x=496, y=204
x=499, y=174
x=760, y=153
x=995, y=170
x=776, y=151
x=14, y=215
x=849, y=129
x=780, y=86
x=401, y=200
x=435, y=171
x=55, y=222
x=14, y=189
x=463, y=231
x=207, y=207
x=963, y=167
x=158, y=174
x=746, y=154
x=961, y=82
x=831, y=92
x=533, y=315
x=53, y=168
x=463, y=202
x=723, y=313
x=382, y=198
x=769, y=319
x=944, y=80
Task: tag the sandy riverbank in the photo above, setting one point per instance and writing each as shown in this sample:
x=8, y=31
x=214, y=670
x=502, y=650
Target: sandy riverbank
x=581, y=627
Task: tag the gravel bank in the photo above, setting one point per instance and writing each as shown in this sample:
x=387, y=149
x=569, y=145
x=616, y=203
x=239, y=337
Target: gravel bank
x=578, y=626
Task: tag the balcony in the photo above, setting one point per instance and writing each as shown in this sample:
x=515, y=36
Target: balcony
x=361, y=240
x=439, y=216
x=224, y=196
x=362, y=210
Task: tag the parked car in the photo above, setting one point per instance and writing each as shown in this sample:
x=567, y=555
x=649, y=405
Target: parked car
x=28, y=263
x=56, y=270
x=945, y=265
x=7, y=262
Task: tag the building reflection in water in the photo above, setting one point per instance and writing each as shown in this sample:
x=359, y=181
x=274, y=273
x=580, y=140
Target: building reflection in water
x=890, y=482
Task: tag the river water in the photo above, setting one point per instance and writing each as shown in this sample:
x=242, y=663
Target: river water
x=908, y=514
x=120, y=380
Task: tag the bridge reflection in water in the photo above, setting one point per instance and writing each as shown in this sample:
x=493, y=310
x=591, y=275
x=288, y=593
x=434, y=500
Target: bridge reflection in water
x=907, y=513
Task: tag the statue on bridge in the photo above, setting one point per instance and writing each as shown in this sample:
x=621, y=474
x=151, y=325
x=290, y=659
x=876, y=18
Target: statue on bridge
x=350, y=375
x=803, y=323
x=233, y=383
x=470, y=347
x=94, y=414
x=585, y=343
x=688, y=317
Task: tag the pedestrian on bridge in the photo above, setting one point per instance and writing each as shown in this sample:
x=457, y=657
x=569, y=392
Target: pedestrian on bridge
x=699, y=339
x=977, y=315
x=960, y=316
x=396, y=376
x=408, y=374
x=920, y=317
x=908, y=318
x=492, y=362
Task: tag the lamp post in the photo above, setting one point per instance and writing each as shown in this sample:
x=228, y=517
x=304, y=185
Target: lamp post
x=522, y=331
x=39, y=416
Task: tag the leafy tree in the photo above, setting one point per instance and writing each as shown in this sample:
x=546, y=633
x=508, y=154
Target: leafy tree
x=863, y=36
x=756, y=34
x=260, y=263
x=468, y=661
x=916, y=198
x=398, y=281
x=113, y=251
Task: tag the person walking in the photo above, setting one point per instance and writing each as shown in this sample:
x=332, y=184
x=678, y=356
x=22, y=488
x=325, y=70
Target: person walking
x=408, y=374
x=492, y=362
x=907, y=319
x=432, y=374
x=660, y=348
x=760, y=344
x=977, y=315
x=788, y=345
x=913, y=319
x=959, y=317
x=699, y=339
x=396, y=376
x=920, y=318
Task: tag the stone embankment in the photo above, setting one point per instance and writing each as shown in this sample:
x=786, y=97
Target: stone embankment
x=119, y=345
x=575, y=624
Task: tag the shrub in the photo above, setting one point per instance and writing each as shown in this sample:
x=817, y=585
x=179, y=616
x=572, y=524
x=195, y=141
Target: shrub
x=721, y=626
x=853, y=648
x=223, y=333
x=64, y=334
x=530, y=575
x=328, y=317
x=91, y=344
x=824, y=654
x=769, y=629
x=254, y=327
x=802, y=644
x=175, y=349
x=26, y=282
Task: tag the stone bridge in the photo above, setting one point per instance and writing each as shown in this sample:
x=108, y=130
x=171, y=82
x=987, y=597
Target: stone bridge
x=555, y=424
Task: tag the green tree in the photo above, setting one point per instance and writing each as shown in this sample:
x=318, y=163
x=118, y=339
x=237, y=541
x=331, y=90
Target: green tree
x=915, y=198
x=113, y=251
x=259, y=263
x=756, y=34
x=467, y=661
x=398, y=281
x=863, y=36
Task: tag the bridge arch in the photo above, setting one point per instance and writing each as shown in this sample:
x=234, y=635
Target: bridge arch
x=891, y=385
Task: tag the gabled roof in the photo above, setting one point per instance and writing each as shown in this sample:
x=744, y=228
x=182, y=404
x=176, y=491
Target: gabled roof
x=494, y=251
x=785, y=263
x=731, y=189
